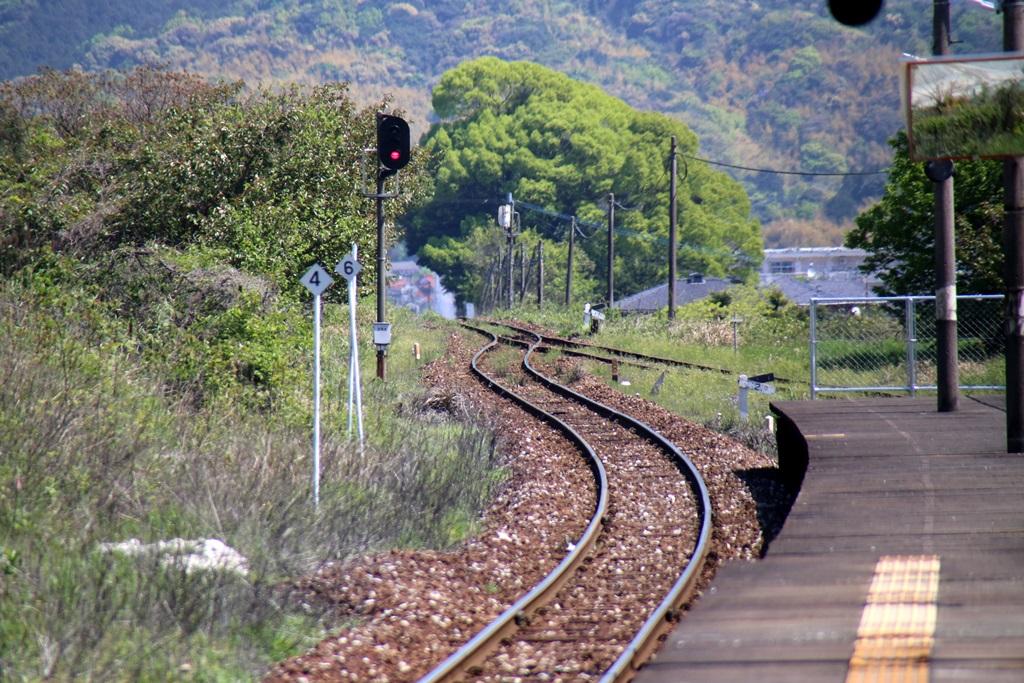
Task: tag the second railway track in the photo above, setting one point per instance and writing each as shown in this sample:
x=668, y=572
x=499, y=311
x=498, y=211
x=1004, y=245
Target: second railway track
x=609, y=354
x=599, y=614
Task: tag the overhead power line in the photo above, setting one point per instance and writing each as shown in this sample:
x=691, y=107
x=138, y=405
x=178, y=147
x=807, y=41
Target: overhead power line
x=778, y=172
x=555, y=214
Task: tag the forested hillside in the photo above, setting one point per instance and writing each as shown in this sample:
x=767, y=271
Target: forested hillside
x=765, y=84
x=520, y=128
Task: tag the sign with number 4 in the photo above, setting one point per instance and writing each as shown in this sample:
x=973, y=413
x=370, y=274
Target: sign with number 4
x=317, y=279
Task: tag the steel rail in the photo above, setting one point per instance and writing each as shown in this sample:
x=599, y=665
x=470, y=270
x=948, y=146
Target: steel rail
x=484, y=641
x=552, y=340
x=660, y=620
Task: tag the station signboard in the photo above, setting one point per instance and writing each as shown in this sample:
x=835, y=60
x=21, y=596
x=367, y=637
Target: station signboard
x=964, y=107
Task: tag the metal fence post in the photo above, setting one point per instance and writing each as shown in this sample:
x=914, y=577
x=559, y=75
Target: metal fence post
x=814, y=349
x=876, y=324
x=911, y=347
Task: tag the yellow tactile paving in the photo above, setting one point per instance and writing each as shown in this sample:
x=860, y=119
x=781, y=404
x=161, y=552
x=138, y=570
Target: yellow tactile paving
x=897, y=627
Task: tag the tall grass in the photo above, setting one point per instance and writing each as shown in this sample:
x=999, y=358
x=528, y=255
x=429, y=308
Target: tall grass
x=93, y=449
x=770, y=336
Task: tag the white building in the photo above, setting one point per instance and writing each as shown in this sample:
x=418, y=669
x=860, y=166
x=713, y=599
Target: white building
x=803, y=273
x=812, y=262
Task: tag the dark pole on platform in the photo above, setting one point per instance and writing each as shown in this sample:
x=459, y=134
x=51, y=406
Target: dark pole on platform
x=611, y=249
x=948, y=379
x=672, y=246
x=1013, y=247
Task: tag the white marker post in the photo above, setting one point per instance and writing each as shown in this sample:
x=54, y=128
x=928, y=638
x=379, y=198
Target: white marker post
x=759, y=383
x=349, y=268
x=316, y=280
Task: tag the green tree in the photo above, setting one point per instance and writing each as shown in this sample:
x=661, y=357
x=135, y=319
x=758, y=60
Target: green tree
x=272, y=180
x=555, y=142
x=898, y=232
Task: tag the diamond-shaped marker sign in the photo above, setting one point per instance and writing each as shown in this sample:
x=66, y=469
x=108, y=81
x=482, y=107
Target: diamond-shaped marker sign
x=348, y=267
x=317, y=279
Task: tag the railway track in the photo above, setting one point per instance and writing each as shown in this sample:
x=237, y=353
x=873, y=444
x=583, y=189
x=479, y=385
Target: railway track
x=609, y=354
x=599, y=614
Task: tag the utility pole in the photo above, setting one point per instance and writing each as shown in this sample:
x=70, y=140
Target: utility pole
x=540, y=274
x=1013, y=247
x=507, y=220
x=496, y=279
x=499, y=278
x=611, y=250
x=568, y=269
x=510, y=264
x=672, y=246
x=522, y=272
x=511, y=250
x=948, y=379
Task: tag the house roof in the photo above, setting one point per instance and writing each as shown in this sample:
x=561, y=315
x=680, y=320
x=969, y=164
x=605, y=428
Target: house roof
x=797, y=288
x=800, y=289
x=656, y=298
x=815, y=251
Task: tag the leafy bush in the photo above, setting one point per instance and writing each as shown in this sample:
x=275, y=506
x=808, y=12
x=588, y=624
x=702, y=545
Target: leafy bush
x=94, y=161
x=94, y=450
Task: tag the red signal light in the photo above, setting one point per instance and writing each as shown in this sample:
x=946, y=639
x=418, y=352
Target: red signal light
x=392, y=142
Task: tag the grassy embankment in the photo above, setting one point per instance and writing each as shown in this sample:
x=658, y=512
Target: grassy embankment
x=771, y=337
x=987, y=124
x=115, y=428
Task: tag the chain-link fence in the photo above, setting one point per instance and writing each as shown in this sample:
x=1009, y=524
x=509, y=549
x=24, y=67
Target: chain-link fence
x=887, y=344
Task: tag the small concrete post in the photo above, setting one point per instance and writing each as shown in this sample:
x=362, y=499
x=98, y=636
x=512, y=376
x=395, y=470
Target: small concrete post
x=742, y=399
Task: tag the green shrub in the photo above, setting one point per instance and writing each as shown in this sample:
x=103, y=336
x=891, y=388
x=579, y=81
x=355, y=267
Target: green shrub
x=94, y=449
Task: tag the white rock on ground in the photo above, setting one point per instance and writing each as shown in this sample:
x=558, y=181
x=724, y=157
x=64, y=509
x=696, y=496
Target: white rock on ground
x=188, y=554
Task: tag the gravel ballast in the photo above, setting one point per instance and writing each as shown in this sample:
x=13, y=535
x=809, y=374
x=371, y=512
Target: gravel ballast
x=413, y=608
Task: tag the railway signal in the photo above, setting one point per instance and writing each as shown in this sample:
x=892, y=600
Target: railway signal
x=854, y=12
x=392, y=156
x=392, y=142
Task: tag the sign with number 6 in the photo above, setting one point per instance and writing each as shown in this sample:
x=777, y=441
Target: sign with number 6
x=348, y=267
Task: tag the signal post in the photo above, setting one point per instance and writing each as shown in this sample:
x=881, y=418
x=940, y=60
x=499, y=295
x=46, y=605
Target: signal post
x=392, y=156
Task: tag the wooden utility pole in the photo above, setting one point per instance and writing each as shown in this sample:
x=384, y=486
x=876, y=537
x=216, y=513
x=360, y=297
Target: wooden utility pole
x=948, y=378
x=611, y=250
x=522, y=272
x=1013, y=247
x=491, y=294
x=568, y=269
x=510, y=265
x=540, y=274
x=672, y=246
x=502, y=277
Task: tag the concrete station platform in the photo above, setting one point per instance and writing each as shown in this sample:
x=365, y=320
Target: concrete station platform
x=902, y=558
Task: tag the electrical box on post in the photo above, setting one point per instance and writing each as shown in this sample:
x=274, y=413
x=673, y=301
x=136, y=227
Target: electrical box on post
x=382, y=335
x=505, y=216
